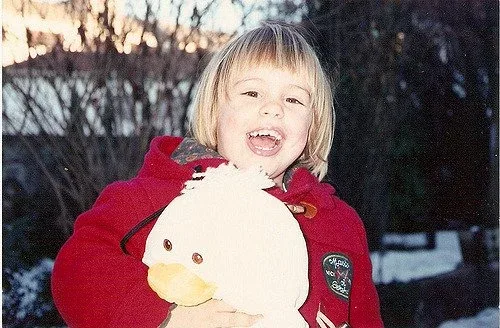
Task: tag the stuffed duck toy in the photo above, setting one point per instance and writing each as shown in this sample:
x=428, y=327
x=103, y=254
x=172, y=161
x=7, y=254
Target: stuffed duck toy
x=225, y=237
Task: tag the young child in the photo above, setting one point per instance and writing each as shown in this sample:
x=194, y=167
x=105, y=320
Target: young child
x=263, y=100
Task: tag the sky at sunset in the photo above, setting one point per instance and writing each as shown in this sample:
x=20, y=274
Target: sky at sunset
x=223, y=17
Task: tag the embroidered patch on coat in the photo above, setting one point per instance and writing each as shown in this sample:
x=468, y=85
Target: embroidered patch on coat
x=337, y=269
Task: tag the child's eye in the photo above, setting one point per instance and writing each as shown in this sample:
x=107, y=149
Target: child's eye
x=253, y=94
x=294, y=101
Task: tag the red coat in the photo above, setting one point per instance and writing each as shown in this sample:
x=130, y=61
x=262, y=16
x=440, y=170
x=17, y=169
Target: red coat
x=95, y=284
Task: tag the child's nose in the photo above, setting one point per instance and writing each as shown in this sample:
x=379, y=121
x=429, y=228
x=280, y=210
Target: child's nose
x=272, y=108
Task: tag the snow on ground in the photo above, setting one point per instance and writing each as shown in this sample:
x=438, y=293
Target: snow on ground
x=404, y=266
x=27, y=286
x=488, y=318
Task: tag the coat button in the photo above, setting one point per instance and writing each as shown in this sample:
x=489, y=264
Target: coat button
x=310, y=210
x=307, y=209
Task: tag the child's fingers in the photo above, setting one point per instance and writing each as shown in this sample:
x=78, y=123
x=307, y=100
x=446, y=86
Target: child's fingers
x=234, y=319
x=213, y=313
x=219, y=306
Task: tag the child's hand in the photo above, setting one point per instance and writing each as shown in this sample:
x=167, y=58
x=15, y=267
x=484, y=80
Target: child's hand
x=213, y=313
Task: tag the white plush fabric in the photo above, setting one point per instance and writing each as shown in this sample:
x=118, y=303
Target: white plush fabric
x=252, y=247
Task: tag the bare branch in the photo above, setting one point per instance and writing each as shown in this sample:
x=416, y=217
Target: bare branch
x=126, y=80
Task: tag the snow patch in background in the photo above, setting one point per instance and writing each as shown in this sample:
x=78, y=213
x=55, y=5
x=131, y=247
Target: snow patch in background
x=487, y=318
x=405, y=266
x=24, y=296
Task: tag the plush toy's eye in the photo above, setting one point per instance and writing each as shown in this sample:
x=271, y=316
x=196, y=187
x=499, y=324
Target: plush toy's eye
x=197, y=258
x=167, y=244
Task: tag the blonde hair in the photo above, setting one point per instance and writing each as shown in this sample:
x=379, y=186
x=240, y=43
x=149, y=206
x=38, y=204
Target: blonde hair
x=280, y=46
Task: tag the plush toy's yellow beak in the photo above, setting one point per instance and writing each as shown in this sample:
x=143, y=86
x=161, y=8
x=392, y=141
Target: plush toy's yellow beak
x=176, y=284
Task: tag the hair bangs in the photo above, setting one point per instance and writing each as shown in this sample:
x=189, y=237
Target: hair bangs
x=273, y=47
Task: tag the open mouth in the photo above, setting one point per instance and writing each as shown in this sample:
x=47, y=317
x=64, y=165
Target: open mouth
x=264, y=139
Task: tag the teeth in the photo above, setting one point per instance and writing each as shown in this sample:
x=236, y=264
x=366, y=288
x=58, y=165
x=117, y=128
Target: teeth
x=263, y=133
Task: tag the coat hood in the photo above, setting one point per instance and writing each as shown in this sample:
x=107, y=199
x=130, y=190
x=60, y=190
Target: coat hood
x=177, y=158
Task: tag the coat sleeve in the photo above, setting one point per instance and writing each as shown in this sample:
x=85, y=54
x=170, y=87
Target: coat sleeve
x=94, y=284
x=364, y=303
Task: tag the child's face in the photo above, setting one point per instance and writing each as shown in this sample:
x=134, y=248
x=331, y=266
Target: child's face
x=264, y=119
